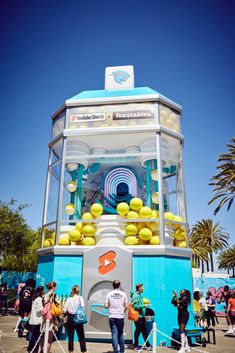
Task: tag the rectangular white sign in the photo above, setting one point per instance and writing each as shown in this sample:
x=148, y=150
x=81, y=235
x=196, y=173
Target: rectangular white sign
x=87, y=117
x=119, y=77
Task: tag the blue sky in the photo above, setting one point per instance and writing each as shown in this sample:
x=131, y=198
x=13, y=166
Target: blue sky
x=52, y=50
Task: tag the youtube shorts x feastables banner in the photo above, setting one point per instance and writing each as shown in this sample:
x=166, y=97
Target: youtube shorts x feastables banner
x=215, y=285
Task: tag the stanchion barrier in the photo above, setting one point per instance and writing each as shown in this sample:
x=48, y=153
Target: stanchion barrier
x=1, y=348
x=144, y=345
x=41, y=333
x=154, y=337
x=58, y=341
x=172, y=339
x=47, y=326
x=11, y=299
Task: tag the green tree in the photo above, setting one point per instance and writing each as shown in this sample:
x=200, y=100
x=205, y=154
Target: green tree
x=226, y=259
x=224, y=180
x=200, y=253
x=18, y=241
x=209, y=236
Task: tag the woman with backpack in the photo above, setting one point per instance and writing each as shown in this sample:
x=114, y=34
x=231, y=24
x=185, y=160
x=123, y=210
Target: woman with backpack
x=49, y=299
x=71, y=307
x=36, y=319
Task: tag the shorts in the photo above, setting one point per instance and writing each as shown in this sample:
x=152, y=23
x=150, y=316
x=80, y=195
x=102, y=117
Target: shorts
x=231, y=314
x=183, y=318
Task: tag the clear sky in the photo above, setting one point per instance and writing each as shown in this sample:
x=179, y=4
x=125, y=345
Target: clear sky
x=51, y=50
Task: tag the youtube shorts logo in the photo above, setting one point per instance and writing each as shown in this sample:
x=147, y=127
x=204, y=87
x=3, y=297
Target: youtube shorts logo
x=107, y=262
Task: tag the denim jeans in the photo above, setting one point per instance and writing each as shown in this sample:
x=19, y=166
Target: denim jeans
x=116, y=326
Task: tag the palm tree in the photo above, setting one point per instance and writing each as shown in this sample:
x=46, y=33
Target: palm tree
x=200, y=253
x=224, y=180
x=210, y=236
x=226, y=259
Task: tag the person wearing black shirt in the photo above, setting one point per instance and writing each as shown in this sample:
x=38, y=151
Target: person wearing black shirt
x=225, y=296
x=26, y=297
x=182, y=303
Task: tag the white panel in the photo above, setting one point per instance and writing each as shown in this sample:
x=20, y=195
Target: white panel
x=119, y=77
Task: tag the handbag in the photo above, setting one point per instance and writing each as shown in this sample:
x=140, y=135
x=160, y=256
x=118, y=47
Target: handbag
x=55, y=308
x=80, y=315
x=132, y=313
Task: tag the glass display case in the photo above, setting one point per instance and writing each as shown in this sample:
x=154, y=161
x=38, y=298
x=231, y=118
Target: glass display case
x=116, y=177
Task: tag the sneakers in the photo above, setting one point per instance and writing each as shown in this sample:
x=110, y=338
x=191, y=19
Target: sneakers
x=229, y=331
x=187, y=349
x=182, y=350
x=137, y=348
x=150, y=348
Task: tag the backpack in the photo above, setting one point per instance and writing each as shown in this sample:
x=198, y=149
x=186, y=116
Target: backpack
x=132, y=313
x=46, y=311
x=80, y=315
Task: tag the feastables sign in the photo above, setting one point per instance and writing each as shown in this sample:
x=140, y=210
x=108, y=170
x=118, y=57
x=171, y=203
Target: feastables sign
x=137, y=114
x=87, y=117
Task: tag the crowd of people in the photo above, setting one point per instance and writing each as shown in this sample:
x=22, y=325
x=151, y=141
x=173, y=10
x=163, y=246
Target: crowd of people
x=37, y=305
x=206, y=314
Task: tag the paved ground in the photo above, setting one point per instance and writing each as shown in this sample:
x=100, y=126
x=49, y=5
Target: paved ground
x=10, y=343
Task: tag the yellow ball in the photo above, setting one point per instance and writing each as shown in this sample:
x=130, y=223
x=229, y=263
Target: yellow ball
x=155, y=197
x=87, y=216
x=155, y=240
x=141, y=242
x=169, y=216
x=131, y=240
x=140, y=225
x=179, y=234
x=154, y=175
x=74, y=235
x=145, y=234
x=70, y=209
x=177, y=219
x=132, y=215
x=123, y=208
x=88, y=241
x=181, y=244
x=46, y=243
x=52, y=241
x=146, y=301
x=145, y=212
x=154, y=226
x=136, y=204
x=79, y=226
x=163, y=113
x=71, y=186
x=155, y=214
x=88, y=231
x=96, y=209
x=64, y=241
x=131, y=229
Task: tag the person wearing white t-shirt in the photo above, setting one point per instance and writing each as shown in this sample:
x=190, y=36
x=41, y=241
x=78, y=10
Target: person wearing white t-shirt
x=70, y=309
x=116, y=302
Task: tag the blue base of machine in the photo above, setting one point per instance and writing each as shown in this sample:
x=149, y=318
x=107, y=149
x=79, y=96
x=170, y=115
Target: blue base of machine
x=160, y=274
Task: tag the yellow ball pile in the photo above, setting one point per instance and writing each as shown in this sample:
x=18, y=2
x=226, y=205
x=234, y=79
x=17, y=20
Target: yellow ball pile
x=49, y=240
x=84, y=232
x=139, y=233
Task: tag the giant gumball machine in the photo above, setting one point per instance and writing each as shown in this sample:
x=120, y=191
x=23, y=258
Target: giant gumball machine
x=115, y=200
